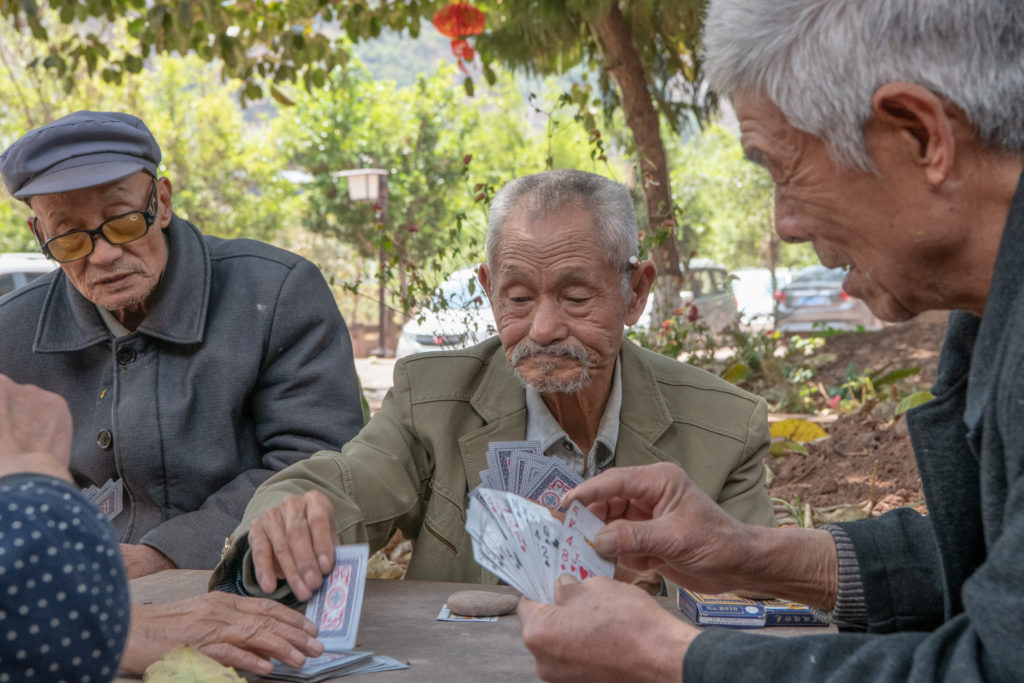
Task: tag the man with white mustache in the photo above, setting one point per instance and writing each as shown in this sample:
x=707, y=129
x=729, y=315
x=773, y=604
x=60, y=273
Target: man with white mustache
x=563, y=279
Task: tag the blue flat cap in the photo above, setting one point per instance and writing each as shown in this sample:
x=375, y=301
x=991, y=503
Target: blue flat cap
x=83, y=149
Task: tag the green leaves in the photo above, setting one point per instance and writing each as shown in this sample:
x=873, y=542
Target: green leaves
x=918, y=398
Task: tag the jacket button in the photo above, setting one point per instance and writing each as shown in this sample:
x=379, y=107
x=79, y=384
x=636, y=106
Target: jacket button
x=104, y=439
x=126, y=355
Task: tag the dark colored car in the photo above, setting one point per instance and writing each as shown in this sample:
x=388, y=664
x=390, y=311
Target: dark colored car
x=814, y=299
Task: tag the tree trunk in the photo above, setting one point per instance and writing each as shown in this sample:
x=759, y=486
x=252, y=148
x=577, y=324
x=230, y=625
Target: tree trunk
x=622, y=62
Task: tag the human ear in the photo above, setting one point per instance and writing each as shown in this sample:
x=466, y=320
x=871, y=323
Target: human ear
x=922, y=121
x=483, y=276
x=640, y=281
x=163, y=193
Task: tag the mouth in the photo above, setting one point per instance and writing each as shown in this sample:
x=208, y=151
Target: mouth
x=112, y=280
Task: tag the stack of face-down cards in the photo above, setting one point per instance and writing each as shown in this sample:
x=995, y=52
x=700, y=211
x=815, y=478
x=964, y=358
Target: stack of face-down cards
x=521, y=468
x=109, y=498
x=335, y=609
x=522, y=543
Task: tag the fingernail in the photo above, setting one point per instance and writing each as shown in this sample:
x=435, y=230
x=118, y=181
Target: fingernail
x=565, y=579
x=315, y=646
x=297, y=658
x=606, y=543
x=325, y=564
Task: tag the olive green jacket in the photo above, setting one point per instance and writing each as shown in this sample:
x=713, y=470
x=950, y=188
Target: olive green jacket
x=413, y=465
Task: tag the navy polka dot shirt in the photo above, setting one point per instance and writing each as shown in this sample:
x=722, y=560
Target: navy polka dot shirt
x=64, y=602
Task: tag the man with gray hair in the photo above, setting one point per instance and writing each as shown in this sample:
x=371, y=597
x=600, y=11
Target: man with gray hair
x=894, y=132
x=563, y=279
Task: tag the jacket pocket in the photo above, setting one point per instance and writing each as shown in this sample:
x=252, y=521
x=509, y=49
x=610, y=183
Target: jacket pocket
x=445, y=519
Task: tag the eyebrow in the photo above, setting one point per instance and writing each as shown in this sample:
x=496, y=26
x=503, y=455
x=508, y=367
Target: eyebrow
x=572, y=276
x=120, y=193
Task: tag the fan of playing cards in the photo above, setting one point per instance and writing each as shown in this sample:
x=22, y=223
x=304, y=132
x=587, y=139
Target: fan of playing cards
x=523, y=544
x=520, y=467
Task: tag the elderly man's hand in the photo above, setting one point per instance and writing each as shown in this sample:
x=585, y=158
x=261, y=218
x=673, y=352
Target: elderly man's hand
x=294, y=541
x=236, y=631
x=604, y=630
x=142, y=560
x=35, y=430
x=659, y=520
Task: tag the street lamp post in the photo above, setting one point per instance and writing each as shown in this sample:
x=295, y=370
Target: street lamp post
x=371, y=185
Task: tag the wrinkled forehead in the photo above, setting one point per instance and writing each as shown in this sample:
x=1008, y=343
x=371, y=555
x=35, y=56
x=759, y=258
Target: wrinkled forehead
x=60, y=205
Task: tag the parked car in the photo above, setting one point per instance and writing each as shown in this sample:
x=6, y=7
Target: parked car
x=755, y=295
x=18, y=269
x=709, y=289
x=458, y=316
x=814, y=299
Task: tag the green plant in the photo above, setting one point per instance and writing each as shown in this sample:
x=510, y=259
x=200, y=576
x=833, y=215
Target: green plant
x=798, y=509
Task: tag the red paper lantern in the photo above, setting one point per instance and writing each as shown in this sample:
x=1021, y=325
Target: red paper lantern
x=456, y=21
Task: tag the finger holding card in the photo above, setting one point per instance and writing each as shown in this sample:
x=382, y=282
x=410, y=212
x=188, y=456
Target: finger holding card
x=294, y=541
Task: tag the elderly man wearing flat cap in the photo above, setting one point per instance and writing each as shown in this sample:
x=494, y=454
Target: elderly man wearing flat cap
x=194, y=367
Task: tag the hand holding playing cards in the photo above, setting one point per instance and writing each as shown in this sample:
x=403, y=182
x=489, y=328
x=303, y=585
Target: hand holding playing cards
x=35, y=430
x=236, y=631
x=603, y=630
x=294, y=541
x=658, y=519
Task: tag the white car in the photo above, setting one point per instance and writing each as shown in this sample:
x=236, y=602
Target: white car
x=458, y=316
x=755, y=296
x=709, y=290
x=17, y=270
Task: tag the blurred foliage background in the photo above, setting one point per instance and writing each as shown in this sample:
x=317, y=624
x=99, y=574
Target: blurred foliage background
x=255, y=153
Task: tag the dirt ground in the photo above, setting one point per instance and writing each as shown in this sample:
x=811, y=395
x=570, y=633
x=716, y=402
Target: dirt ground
x=866, y=466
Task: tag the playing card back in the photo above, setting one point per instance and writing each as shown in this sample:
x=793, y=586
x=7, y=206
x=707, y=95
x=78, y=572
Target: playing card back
x=552, y=485
x=336, y=607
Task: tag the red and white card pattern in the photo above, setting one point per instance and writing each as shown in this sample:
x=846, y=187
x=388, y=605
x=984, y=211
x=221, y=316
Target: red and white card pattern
x=335, y=609
x=522, y=543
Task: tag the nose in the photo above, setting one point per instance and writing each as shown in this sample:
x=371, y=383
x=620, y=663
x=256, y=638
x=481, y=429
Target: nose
x=548, y=324
x=787, y=222
x=103, y=252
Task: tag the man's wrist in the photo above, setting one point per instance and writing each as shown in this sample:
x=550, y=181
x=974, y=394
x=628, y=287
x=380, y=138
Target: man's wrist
x=792, y=564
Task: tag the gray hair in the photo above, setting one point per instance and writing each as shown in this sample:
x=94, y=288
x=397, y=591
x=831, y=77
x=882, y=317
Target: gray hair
x=820, y=61
x=607, y=201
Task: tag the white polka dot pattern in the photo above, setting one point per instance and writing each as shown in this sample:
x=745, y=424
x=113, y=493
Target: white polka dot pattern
x=64, y=602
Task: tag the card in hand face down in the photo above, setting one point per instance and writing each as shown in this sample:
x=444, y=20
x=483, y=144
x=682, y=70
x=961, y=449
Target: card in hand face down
x=555, y=482
x=336, y=607
x=499, y=460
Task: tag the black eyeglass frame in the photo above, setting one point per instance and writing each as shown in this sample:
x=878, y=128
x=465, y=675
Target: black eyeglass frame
x=148, y=216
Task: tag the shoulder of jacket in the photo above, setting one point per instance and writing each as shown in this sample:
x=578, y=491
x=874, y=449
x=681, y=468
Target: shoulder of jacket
x=697, y=397
x=221, y=250
x=28, y=298
x=454, y=374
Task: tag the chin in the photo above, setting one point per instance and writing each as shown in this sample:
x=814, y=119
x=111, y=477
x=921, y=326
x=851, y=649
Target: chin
x=548, y=383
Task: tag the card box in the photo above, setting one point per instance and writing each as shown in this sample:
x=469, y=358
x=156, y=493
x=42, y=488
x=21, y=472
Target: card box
x=726, y=609
x=786, y=613
x=729, y=609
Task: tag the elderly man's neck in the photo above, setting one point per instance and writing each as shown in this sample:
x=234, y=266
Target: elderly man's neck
x=132, y=316
x=580, y=412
